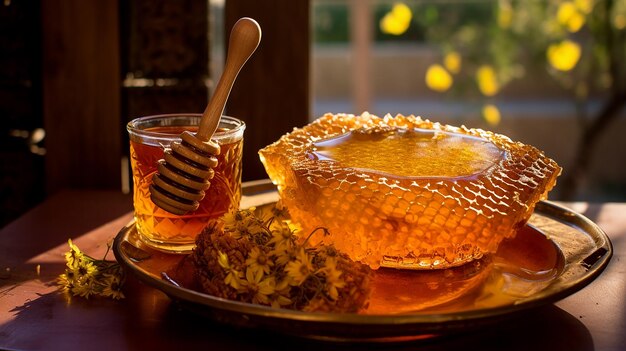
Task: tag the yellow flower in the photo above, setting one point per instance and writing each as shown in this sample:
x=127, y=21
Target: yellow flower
x=282, y=236
x=278, y=300
x=284, y=254
x=279, y=211
x=397, y=21
x=401, y=12
x=232, y=223
x=255, y=227
x=230, y=220
x=74, y=256
x=86, y=276
x=333, y=277
x=299, y=269
x=452, y=61
x=505, y=14
x=86, y=269
x=569, y=16
x=258, y=261
x=438, y=79
x=72, y=246
x=112, y=287
x=283, y=286
x=66, y=281
x=85, y=286
x=491, y=114
x=584, y=6
x=233, y=278
x=259, y=288
x=564, y=56
x=565, y=11
x=619, y=21
x=222, y=260
x=487, y=80
x=242, y=222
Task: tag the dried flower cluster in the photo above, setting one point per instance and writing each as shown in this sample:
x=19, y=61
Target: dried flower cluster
x=85, y=276
x=266, y=262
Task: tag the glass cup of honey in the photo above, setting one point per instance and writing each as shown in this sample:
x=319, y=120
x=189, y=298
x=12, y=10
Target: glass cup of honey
x=149, y=137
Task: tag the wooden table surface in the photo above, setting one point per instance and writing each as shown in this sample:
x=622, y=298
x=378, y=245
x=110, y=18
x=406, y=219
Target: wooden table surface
x=34, y=316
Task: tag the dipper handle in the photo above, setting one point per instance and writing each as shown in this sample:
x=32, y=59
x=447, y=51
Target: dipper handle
x=244, y=39
x=187, y=166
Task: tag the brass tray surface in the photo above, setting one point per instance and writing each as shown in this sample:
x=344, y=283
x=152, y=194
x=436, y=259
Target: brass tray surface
x=558, y=253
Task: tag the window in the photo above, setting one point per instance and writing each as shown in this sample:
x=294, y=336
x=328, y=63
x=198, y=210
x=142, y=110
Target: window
x=537, y=71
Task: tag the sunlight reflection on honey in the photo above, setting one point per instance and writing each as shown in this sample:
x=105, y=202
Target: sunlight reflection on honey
x=521, y=267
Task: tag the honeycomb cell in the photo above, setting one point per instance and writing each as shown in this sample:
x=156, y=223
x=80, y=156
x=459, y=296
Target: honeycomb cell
x=428, y=195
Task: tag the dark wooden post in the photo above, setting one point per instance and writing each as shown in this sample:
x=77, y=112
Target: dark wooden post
x=81, y=93
x=271, y=93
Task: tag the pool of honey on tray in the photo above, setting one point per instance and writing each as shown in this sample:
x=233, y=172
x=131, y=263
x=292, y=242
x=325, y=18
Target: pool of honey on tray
x=521, y=267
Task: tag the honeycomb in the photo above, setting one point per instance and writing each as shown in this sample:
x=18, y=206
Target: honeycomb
x=405, y=192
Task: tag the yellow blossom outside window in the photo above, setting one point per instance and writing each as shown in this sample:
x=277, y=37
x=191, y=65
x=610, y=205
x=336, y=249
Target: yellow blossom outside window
x=565, y=11
x=505, y=14
x=569, y=16
x=619, y=21
x=584, y=6
x=397, y=21
x=564, y=56
x=487, y=80
x=491, y=114
x=452, y=61
x=438, y=79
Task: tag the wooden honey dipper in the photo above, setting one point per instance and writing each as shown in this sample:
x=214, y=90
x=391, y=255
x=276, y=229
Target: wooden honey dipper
x=184, y=172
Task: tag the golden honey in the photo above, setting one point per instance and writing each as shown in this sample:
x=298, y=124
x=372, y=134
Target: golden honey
x=404, y=192
x=409, y=152
x=163, y=230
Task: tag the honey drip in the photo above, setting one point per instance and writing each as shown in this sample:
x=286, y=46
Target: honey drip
x=404, y=192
